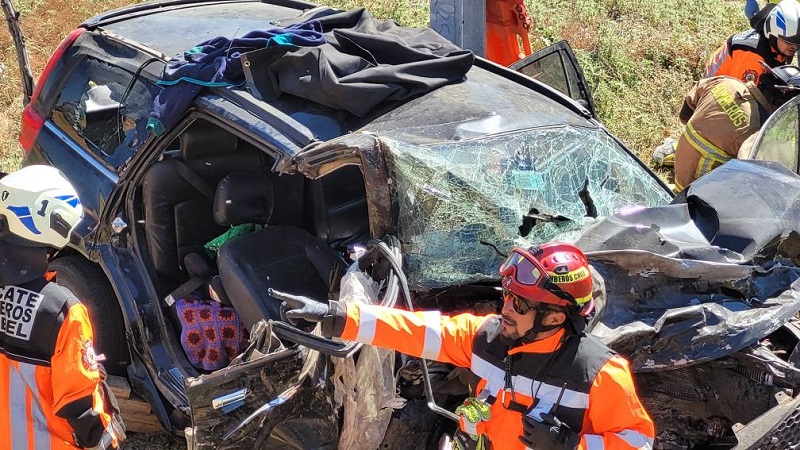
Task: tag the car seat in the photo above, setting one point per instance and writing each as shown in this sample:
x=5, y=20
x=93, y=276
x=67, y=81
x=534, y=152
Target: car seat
x=177, y=196
x=282, y=257
x=338, y=206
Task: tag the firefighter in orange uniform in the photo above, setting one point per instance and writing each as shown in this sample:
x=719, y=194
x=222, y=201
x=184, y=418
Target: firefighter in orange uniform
x=545, y=383
x=51, y=393
x=773, y=40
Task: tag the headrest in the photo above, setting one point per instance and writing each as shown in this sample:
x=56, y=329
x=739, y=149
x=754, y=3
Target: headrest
x=203, y=139
x=243, y=197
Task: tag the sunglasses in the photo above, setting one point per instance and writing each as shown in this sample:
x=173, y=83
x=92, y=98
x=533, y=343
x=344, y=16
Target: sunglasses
x=525, y=269
x=520, y=306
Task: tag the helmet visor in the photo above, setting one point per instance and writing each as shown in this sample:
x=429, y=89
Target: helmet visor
x=523, y=267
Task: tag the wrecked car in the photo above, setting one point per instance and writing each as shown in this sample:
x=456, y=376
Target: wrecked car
x=441, y=183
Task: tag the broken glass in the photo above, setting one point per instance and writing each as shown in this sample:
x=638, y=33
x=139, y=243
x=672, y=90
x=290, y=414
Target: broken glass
x=103, y=112
x=517, y=188
x=779, y=141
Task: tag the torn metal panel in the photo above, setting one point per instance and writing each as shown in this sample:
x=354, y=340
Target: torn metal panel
x=742, y=205
x=367, y=150
x=695, y=281
x=664, y=313
x=270, y=397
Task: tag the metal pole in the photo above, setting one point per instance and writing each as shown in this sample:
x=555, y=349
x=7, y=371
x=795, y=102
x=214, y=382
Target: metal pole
x=461, y=22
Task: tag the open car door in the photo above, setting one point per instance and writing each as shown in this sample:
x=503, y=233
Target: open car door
x=12, y=18
x=557, y=67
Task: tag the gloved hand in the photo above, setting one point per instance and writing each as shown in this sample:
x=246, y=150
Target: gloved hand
x=297, y=308
x=550, y=434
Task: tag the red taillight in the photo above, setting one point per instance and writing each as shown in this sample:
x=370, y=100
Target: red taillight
x=33, y=119
x=32, y=123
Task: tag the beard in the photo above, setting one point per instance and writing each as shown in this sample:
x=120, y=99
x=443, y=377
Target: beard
x=509, y=329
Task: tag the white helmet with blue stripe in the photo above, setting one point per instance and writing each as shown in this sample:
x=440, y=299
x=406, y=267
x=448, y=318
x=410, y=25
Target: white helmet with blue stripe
x=783, y=22
x=39, y=205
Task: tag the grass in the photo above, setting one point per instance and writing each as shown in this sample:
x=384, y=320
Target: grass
x=639, y=57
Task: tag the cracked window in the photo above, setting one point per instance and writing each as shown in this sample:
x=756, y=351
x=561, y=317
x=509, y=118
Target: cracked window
x=92, y=112
x=779, y=141
x=453, y=196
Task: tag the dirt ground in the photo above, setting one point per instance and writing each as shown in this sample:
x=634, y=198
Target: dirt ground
x=162, y=441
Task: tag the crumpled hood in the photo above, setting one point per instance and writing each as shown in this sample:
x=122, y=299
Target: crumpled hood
x=705, y=277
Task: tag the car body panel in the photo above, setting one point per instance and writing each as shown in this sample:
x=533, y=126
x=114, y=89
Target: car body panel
x=240, y=406
x=179, y=28
x=493, y=104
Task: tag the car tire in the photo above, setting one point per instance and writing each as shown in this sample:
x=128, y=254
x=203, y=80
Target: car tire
x=92, y=288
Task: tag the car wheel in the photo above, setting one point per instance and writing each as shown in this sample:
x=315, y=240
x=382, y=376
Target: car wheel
x=91, y=287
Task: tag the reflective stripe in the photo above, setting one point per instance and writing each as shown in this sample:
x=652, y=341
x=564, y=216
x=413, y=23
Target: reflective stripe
x=710, y=154
x=594, y=442
x=433, y=334
x=495, y=381
x=635, y=439
x=467, y=426
x=17, y=410
x=368, y=323
x=493, y=375
x=41, y=433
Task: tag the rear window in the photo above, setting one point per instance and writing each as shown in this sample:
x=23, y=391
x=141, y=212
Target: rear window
x=104, y=110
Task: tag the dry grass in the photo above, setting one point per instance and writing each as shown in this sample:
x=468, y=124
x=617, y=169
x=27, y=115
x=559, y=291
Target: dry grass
x=639, y=56
x=44, y=24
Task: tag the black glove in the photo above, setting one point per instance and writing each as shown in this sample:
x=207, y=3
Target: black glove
x=549, y=434
x=297, y=308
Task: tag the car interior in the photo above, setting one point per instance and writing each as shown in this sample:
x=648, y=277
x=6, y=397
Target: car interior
x=209, y=180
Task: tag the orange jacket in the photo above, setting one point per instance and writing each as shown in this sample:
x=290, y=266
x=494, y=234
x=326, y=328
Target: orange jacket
x=49, y=378
x=741, y=55
x=614, y=418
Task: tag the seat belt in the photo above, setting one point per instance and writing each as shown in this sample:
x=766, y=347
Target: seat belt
x=183, y=290
x=194, y=179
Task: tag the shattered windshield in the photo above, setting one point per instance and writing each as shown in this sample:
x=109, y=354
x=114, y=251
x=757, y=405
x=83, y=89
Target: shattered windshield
x=453, y=196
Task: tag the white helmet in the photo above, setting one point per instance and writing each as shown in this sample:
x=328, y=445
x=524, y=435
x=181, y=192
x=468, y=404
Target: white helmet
x=783, y=22
x=40, y=206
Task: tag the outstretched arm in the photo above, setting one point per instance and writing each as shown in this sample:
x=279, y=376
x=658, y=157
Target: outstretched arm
x=426, y=334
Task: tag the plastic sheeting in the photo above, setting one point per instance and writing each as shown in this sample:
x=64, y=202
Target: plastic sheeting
x=363, y=385
x=705, y=277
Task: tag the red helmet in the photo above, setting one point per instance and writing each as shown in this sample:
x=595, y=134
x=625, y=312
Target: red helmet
x=556, y=273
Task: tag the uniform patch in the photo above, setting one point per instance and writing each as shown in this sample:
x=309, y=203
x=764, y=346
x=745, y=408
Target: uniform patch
x=749, y=75
x=18, y=308
x=728, y=104
x=89, y=356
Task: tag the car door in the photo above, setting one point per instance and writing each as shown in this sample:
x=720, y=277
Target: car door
x=779, y=137
x=557, y=67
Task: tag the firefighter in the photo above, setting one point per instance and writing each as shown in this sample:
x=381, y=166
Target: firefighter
x=722, y=117
x=773, y=40
x=545, y=383
x=51, y=393
x=755, y=12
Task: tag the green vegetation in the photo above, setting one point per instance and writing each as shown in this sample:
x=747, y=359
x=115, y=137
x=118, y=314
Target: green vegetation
x=639, y=57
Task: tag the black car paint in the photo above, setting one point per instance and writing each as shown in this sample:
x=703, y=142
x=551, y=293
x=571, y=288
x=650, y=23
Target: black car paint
x=284, y=128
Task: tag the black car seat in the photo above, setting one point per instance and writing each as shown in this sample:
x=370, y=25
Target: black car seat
x=338, y=205
x=177, y=196
x=283, y=257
